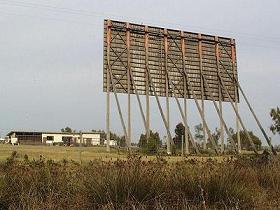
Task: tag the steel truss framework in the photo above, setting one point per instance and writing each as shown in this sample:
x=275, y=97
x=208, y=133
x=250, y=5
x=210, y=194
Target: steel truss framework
x=152, y=61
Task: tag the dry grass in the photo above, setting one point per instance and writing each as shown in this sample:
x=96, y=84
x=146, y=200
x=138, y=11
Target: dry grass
x=243, y=183
x=58, y=153
x=84, y=154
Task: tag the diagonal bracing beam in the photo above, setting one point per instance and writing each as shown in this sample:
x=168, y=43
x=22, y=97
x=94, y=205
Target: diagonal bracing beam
x=201, y=114
x=252, y=111
x=131, y=78
x=118, y=103
x=159, y=105
x=166, y=86
x=237, y=114
x=219, y=113
x=110, y=78
x=184, y=73
x=173, y=88
x=183, y=117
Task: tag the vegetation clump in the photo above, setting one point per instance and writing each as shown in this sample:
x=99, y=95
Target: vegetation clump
x=246, y=183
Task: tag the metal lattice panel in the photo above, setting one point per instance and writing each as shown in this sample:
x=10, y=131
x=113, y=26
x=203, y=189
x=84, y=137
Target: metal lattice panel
x=140, y=47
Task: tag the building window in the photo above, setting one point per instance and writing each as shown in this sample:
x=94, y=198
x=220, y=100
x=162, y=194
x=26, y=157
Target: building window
x=50, y=138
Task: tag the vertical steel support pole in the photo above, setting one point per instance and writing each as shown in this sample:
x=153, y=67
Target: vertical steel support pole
x=217, y=52
x=159, y=105
x=183, y=117
x=219, y=113
x=115, y=91
x=187, y=150
x=200, y=112
x=237, y=114
x=221, y=124
x=167, y=89
x=150, y=82
x=109, y=26
x=182, y=146
x=234, y=79
x=233, y=60
x=202, y=90
x=128, y=143
x=138, y=100
x=147, y=83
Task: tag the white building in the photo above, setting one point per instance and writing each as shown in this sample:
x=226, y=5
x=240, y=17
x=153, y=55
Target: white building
x=89, y=138
x=23, y=137
x=111, y=143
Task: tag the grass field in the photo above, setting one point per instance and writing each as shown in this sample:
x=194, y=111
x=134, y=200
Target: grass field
x=78, y=154
x=58, y=153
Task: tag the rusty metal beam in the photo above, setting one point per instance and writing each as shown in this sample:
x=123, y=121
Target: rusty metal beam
x=217, y=53
x=167, y=88
x=147, y=83
x=233, y=62
x=128, y=143
x=187, y=149
x=110, y=75
x=202, y=88
x=108, y=88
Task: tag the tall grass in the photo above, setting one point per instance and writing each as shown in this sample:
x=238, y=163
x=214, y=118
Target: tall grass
x=137, y=184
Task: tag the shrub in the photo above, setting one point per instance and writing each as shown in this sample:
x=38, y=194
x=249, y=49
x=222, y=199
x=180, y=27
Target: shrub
x=243, y=183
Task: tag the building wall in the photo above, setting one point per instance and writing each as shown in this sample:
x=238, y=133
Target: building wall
x=95, y=138
x=87, y=138
x=57, y=138
x=28, y=138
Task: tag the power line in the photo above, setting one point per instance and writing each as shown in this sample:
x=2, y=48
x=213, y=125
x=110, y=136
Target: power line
x=92, y=14
x=101, y=14
x=4, y=13
x=52, y=8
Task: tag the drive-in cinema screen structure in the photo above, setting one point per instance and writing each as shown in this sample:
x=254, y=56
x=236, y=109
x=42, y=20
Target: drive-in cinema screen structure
x=160, y=62
x=168, y=51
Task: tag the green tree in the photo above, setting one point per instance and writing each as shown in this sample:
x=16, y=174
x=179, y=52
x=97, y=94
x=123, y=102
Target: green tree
x=121, y=141
x=275, y=115
x=67, y=130
x=150, y=145
x=179, y=134
x=142, y=141
x=245, y=142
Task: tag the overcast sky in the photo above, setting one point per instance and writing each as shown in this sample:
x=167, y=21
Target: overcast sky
x=51, y=59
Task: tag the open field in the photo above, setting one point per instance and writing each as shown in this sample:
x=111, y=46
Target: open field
x=78, y=154
x=58, y=153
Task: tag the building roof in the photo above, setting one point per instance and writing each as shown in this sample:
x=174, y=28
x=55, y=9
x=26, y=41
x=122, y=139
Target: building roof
x=49, y=132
